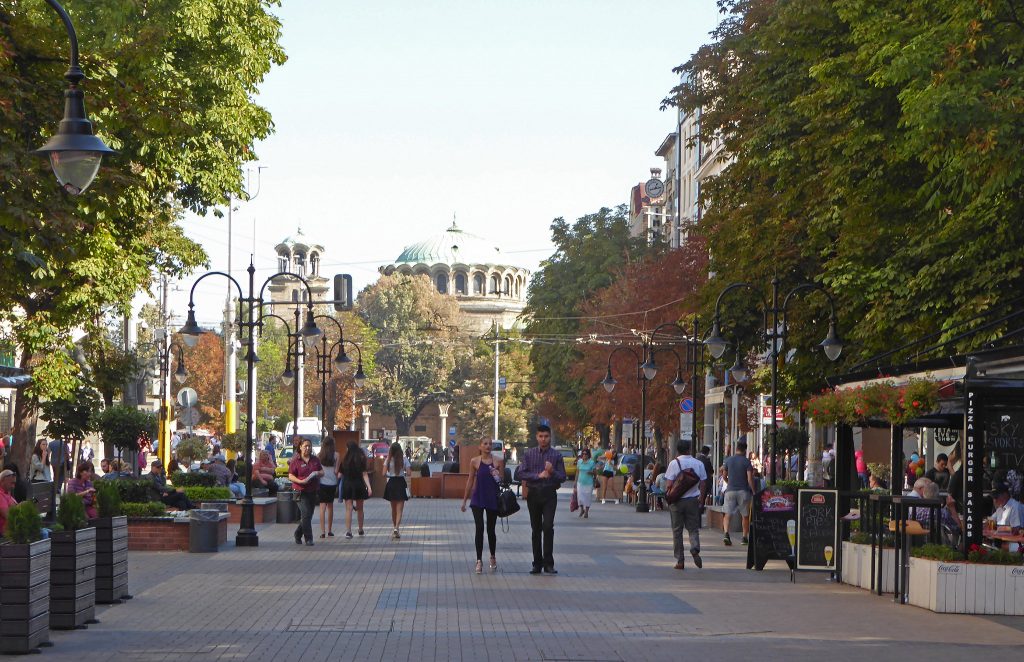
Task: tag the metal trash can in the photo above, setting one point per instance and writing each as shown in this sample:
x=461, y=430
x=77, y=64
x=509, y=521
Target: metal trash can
x=202, y=530
x=287, y=507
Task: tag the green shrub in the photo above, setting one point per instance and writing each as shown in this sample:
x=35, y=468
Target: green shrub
x=937, y=552
x=146, y=509
x=988, y=556
x=122, y=425
x=793, y=485
x=194, y=479
x=135, y=490
x=108, y=499
x=191, y=449
x=197, y=494
x=24, y=525
x=71, y=513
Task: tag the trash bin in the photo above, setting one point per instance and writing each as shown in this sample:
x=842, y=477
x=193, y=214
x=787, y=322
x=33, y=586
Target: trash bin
x=202, y=530
x=287, y=508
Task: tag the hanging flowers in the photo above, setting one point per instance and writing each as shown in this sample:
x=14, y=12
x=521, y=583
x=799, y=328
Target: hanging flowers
x=880, y=401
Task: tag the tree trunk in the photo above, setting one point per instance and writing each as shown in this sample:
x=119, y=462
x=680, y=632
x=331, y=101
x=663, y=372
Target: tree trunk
x=26, y=414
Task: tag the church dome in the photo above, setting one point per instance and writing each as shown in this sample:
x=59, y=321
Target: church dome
x=453, y=246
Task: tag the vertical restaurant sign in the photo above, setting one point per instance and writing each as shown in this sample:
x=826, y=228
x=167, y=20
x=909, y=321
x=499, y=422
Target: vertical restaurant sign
x=972, y=468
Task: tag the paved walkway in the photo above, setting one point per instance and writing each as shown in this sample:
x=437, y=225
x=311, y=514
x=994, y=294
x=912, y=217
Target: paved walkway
x=616, y=597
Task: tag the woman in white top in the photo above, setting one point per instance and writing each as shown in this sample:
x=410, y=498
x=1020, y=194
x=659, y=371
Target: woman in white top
x=39, y=469
x=396, y=468
x=328, y=485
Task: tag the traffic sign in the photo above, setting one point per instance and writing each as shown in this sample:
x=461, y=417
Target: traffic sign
x=686, y=405
x=189, y=416
x=502, y=383
x=766, y=415
x=187, y=397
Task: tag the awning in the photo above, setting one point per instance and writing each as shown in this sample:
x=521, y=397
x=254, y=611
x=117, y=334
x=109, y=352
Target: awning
x=13, y=377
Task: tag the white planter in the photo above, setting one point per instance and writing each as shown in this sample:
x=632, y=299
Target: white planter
x=856, y=568
x=966, y=588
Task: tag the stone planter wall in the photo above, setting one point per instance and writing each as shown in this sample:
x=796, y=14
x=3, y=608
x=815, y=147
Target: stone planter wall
x=24, y=596
x=73, y=579
x=966, y=588
x=111, y=559
x=166, y=534
x=425, y=487
x=264, y=510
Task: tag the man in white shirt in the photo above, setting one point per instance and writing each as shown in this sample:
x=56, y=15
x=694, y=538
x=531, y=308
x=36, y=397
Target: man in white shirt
x=685, y=513
x=1009, y=511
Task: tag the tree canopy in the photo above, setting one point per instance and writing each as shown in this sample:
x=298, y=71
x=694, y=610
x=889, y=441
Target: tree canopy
x=170, y=85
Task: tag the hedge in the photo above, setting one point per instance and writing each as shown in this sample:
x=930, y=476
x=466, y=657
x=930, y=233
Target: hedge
x=193, y=479
x=134, y=490
x=196, y=494
x=147, y=509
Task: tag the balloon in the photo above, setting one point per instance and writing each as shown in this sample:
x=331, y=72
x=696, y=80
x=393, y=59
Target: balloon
x=920, y=462
x=623, y=469
x=919, y=472
x=914, y=457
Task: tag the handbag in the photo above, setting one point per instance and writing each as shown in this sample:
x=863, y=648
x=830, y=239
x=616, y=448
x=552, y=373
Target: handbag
x=684, y=482
x=574, y=502
x=508, y=504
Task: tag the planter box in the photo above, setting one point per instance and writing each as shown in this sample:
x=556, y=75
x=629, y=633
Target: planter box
x=24, y=596
x=453, y=486
x=111, y=559
x=426, y=487
x=856, y=566
x=966, y=588
x=264, y=510
x=159, y=534
x=73, y=579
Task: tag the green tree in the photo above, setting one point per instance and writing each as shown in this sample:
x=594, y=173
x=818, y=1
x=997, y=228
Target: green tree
x=873, y=150
x=171, y=86
x=108, y=365
x=587, y=256
x=517, y=402
x=417, y=329
x=72, y=419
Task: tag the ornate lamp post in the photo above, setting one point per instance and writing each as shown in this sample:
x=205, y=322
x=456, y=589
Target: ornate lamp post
x=164, y=350
x=75, y=153
x=254, y=303
x=645, y=371
x=341, y=363
x=832, y=345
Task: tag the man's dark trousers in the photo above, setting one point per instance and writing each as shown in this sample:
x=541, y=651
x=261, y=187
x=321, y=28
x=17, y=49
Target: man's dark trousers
x=541, y=502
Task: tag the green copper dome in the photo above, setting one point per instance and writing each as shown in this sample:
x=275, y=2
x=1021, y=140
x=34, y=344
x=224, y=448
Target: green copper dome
x=453, y=246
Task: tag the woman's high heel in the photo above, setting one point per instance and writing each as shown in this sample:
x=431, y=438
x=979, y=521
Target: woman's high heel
x=494, y=564
x=479, y=567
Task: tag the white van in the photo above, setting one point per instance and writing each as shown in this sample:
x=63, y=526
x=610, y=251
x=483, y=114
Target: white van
x=309, y=428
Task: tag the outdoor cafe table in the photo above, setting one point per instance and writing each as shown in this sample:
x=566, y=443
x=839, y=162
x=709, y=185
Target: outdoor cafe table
x=1004, y=537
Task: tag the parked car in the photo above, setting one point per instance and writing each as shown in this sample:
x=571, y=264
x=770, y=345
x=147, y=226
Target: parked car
x=379, y=449
x=569, y=460
x=633, y=459
x=284, y=456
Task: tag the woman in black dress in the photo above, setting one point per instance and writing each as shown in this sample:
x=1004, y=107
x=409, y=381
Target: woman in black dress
x=396, y=468
x=355, y=485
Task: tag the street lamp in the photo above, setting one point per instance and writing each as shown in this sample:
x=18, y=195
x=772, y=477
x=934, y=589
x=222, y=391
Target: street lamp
x=341, y=363
x=832, y=345
x=288, y=376
x=75, y=153
x=164, y=350
x=645, y=371
x=247, y=536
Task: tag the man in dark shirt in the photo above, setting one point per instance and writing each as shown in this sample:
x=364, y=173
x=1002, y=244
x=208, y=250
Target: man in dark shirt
x=939, y=474
x=543, y=471
x=705, y=458
x=739, y=473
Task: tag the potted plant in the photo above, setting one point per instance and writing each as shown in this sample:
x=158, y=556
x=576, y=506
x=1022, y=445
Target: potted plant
x=856, y=562
x=25, y=582
x=986, y=582
x=111, y=546
x=72, y=567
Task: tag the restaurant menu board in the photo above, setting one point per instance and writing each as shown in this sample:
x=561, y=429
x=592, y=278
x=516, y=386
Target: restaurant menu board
x=772, y=510
x=817, y=529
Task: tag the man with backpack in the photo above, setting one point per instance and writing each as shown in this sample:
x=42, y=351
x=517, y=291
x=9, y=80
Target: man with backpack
x=686, y=485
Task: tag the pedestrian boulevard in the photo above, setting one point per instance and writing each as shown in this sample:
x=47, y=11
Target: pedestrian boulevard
x=616, y=598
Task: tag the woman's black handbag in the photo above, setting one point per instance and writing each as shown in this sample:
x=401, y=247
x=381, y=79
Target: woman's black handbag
x=508, y=504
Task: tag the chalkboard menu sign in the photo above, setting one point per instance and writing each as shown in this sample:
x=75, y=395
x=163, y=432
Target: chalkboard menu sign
x=817, y=529
x=773, y=508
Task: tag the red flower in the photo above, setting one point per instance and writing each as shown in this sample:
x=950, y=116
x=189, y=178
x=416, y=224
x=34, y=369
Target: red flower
x=916, y=403
x=974, y=547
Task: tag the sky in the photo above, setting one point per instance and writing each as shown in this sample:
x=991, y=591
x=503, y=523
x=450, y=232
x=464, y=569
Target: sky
x=394, y=116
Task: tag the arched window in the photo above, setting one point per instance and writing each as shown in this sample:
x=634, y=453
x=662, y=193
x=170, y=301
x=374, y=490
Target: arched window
x=478, y=284
x=300, y=264
x=314, y=264
x=508, y=286
x=442, y=283
x=282, y=263
x=460, y=283
x=495, y=285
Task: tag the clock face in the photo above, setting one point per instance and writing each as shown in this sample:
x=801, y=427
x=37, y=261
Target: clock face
x=654, y=188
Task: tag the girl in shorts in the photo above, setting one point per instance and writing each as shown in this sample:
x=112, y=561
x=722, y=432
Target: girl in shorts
x=328, y=486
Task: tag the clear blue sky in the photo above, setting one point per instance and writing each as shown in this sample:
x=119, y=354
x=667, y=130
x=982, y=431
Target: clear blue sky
x=392, y=115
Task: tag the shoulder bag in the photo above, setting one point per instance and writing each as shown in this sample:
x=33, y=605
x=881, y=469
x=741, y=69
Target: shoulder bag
x=683, y=483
